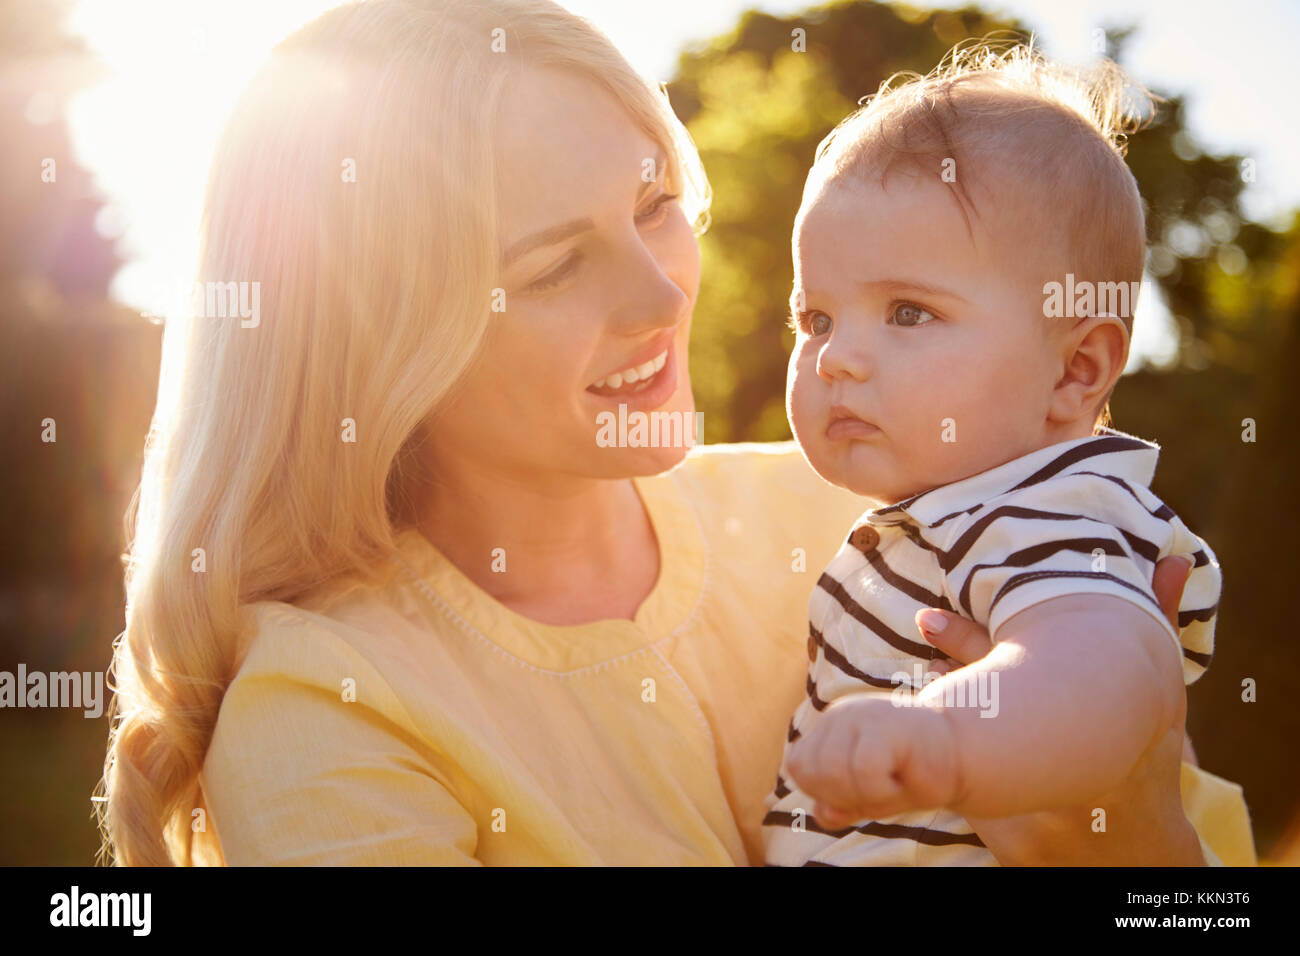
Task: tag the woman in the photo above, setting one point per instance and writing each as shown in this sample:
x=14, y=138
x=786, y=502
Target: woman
x=435, y=618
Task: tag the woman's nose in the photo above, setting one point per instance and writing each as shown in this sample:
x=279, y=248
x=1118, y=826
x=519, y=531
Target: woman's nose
x=648, y=292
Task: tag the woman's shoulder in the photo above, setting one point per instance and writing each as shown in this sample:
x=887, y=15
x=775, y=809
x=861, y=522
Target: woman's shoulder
x=292, y=643
x=342, y=664
x=323, y=639
x=317, y=758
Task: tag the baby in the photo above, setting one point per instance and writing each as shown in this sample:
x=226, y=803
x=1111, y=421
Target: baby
x=963, y=260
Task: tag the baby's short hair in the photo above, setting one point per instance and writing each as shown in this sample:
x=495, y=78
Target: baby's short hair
x=1003, y=116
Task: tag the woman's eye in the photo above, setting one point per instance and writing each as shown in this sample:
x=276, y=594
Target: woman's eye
x=655, y=208
x=555, y=276
x=909, y=314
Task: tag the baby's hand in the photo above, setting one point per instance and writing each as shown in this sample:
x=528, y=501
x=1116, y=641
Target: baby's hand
x=869, y=759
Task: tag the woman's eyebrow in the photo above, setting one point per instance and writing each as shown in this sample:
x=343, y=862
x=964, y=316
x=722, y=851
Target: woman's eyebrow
x=567, y=230
x=545, y=237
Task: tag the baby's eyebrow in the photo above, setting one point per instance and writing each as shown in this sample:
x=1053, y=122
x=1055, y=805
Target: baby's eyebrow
x=910, y=285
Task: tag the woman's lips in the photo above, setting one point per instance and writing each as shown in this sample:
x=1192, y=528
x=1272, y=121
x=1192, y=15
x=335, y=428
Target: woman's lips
x=661, y=387
x=642, y=364
x=845, y=426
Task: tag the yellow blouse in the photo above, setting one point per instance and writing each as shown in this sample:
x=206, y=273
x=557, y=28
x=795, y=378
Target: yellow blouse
x=426, y=723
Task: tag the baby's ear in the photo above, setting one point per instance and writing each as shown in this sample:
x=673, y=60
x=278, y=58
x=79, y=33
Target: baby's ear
x=1095, y=352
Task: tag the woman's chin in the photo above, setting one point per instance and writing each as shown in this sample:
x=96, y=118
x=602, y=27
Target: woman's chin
x=632, y=442
x=635, y=460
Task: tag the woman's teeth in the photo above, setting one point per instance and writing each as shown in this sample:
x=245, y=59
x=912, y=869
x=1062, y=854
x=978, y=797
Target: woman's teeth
x=637, y=374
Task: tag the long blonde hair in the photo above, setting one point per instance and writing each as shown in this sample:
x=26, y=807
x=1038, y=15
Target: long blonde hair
x=355, y=184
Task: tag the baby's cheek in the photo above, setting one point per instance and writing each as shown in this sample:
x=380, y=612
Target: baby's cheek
x=807, y=407
x=802, y=408
x=947, y=415
x=932, y=393
x=986, y=425
x=1016, y=390
x=802, y=388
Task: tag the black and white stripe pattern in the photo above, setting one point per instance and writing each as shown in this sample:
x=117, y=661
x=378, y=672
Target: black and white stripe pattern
x=1073, y=518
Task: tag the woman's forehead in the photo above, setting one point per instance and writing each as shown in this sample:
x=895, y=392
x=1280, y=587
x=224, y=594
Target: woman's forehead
x=566, y=146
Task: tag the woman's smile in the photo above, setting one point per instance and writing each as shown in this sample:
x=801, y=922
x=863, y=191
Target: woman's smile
x=640, y=392
x=638, y=375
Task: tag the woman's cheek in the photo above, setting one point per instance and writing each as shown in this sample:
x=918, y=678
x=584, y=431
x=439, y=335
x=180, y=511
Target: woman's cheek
x=529, y=373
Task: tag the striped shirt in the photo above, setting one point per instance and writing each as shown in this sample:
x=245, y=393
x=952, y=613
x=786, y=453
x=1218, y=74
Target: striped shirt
x=1073, y=518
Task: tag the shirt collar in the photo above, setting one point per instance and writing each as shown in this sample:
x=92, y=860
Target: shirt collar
x=1109, y=452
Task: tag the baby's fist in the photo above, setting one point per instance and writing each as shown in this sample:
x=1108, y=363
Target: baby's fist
x=869, y=758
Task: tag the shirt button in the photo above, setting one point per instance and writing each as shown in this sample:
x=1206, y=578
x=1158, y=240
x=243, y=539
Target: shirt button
x=864, y=538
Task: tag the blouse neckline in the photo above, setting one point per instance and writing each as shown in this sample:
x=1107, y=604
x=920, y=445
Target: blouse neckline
x=670, y=604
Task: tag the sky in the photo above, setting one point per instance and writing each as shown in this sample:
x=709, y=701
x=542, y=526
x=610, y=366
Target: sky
x=176, y=66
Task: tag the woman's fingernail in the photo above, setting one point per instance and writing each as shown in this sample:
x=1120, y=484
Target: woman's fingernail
x=933, y=622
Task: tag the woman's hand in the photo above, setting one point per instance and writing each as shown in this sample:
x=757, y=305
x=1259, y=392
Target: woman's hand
x=1145, y=823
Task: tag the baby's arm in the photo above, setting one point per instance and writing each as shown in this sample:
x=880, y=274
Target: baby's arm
x=1085, y=684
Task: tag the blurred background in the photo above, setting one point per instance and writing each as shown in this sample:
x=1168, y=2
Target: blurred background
x=123, y=102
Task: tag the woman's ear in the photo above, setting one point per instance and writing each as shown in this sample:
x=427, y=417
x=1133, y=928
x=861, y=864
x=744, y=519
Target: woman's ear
x=1095, y=352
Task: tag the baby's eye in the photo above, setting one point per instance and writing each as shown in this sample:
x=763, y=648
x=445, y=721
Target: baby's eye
x=909, y=314
x=815, y=323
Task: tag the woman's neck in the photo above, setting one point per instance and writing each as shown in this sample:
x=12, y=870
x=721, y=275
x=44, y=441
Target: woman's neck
x=563, y=552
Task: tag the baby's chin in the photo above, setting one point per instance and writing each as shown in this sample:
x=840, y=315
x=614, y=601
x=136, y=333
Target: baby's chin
x=838, y=471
